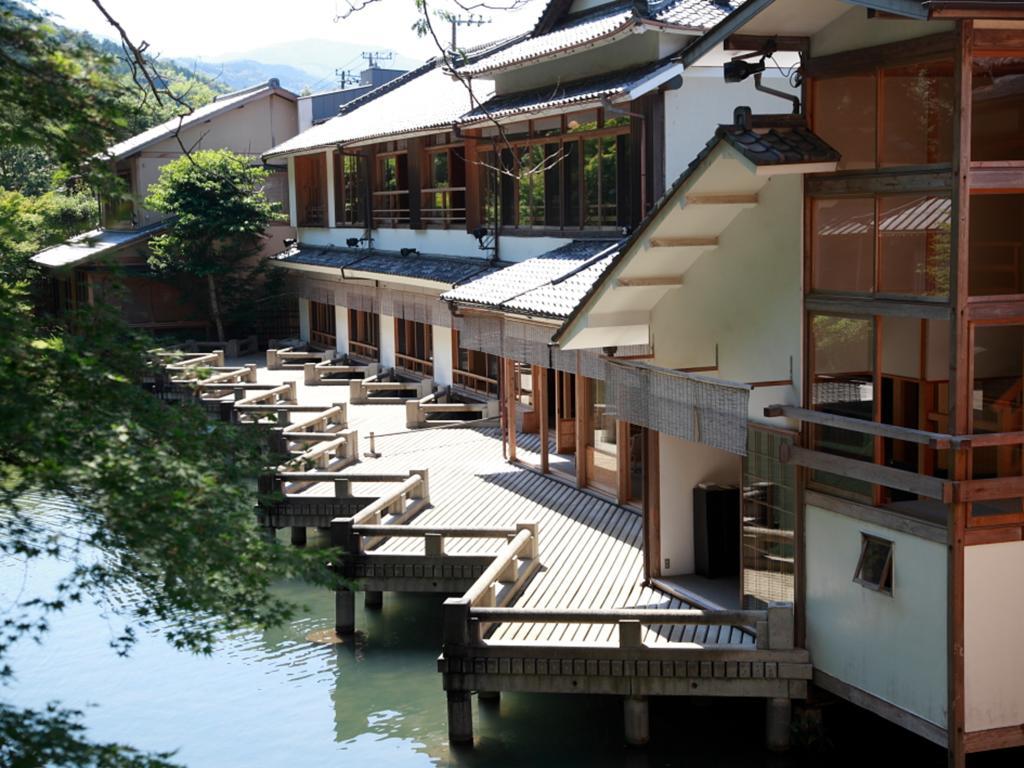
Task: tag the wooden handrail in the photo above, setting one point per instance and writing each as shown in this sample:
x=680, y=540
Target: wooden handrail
x=412, y=531
x=382, y=503
x=615, y=615
x=327, y=415
x=499, y=565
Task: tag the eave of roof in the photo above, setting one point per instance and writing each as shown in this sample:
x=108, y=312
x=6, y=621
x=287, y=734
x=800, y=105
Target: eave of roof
x=547, y=286
x=220, y=105
x=444, y=271
x=92, y=244
x=758, y=153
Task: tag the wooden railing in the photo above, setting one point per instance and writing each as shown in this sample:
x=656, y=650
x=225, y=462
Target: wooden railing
x=391, y=207
x=362, y=349
x=289, y=357
x=317, y=373
x=474, y=381
x=417, y=411
x=438, y=207
x=414, y=364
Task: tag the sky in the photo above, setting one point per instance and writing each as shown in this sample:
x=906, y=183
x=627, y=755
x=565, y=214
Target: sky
x=218, y=29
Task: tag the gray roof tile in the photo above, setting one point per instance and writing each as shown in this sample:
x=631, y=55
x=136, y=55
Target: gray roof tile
x=439, y=269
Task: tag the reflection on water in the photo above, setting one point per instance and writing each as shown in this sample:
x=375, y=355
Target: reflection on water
x=275, y=699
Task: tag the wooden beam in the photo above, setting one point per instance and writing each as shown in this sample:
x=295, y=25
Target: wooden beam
x=994, y=738
x=847, y=305
x=760, y=42
x=992, y=489
x=897, y=521
x=888, y=55
x=911, y=482
x=736, y=199
x=863, y=426
x=645, y=282
x=938, y=179
x=998, y=534
x=996, y=177
x=999, y=39
x=683, y=242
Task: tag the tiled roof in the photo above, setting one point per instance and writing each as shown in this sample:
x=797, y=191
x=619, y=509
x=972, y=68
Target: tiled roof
x=426, y=98
x=779, y=146
x=439, y=269
x=549, y=285
x=605, y=22
x=562, y=94
x=88, y=245
x=222, y=103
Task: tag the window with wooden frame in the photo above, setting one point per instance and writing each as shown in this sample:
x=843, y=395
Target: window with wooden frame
x=896, y=245
x=414, y=346
x=567, y=172
x=364, y=334
x=875, y=564
x=118, y=208
x=391, y=186
x=444, y=188
x=311, y=190
x=349, y=190
x=477, y=371
x=890, y=116
x=322, y=329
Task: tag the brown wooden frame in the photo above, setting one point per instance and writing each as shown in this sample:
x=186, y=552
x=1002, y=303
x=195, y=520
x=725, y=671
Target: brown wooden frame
x=887, y=567
x=405, y=332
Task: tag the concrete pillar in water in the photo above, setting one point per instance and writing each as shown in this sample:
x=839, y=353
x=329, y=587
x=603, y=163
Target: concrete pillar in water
x=344, y=611
x=637, y=720
x=778, y=715
x=373, y=599
x=460, y=717
x=299, y=535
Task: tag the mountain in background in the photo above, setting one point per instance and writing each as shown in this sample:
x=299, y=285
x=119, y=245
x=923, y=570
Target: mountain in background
x=298, y=64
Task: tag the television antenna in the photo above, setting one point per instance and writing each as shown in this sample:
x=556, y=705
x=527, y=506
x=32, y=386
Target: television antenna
x=374, y=58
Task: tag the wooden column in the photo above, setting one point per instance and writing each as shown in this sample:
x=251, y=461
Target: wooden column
x=652, y=506
x=622, y=461
x=473, y=186
x=778, y=715
x=582, y=418
x=510, y=405
x=959, y=390
x=540, y=404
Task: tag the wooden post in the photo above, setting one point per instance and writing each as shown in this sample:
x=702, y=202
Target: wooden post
x=582, y=417
x=423, y=492
x=636, y=720
x=540, y=404
x=373, y=599
x=780, y=626
x=510, y=406
x=460, y=717
x=433, y=545
x=344, y=611
x=778, y=716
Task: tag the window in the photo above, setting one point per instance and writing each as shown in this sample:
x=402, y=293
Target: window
x=996, y=260
x=311, y=190
x=391, y=195
x=603, y=443
x=276, y=191
x=118, y=208
x=363, y=334
x=889, y=117
x=578, y=178
x=874, y=566
x=321, y=324
x=444, y=194
x=997, y=108
x=414, y=346
x=474, y=370
x=349, y=191
x=909, y=235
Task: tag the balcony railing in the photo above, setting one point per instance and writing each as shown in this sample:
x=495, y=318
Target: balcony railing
x=414, y=364
x=391, y=208
x=439, y=207
x=474, y=381
x=362, y=349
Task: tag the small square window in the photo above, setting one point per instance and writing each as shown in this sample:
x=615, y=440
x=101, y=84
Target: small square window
x=874, y=567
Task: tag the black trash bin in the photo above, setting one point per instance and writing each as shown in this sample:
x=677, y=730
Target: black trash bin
x=716, y=530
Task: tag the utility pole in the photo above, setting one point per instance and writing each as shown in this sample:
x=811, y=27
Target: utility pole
x=374, y=58
x=345, y=77
x=473, y=20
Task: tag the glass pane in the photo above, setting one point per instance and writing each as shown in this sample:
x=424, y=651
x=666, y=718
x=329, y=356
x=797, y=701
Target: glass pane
x=603, y=457
x=913, y=242
x=582, y=121
x=873, y=561
x=636, y=463
x=997, y=114
x=609, y=182
x=917, y=125
x=843, y=246
x=591, y=181
x=844, y=116
x=571, y=171
x=996, y=244
x=552, y=185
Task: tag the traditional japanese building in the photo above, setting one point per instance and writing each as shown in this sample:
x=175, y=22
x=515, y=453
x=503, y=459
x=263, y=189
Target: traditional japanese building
x=249, y=122
x=834, y=308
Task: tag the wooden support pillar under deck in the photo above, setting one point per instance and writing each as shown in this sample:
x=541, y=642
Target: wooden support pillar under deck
x=509, y=378
x=373, y=599
x=344, y=611
x=778, y=716
x=636, y=712
x=460, y=717
x=540, y=404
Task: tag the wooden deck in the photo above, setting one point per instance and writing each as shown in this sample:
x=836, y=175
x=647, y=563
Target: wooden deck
x=551, y=576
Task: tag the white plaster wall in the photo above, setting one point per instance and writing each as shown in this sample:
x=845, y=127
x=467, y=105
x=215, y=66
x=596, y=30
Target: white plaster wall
x=443, y=242
x=694, y=111
x=304, y=319
x=305, y=105
x=442, y=355
x=341, y=329
x=746, y=297
x=293, y=215
x=855, y=30
x=682, y=465
x=994, y=635
x=387, y=341
x=892, y=647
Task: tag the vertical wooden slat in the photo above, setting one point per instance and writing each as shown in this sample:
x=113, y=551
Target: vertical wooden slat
x=622, y=461
x=540, y=404
x=473, y=187
x=959, y=391
x=415, y=170
x=510, y=395
x=582, y=417
x=652, y=505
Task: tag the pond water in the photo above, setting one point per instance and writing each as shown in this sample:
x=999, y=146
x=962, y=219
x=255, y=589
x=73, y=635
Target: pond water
x=276, y=699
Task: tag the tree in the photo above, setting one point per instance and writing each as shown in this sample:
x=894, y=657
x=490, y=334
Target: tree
x=219, y=213
x=162, y=493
